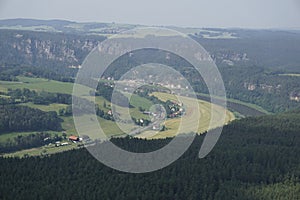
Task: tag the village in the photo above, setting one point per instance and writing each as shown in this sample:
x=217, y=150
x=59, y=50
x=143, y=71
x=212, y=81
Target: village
x=159, y=114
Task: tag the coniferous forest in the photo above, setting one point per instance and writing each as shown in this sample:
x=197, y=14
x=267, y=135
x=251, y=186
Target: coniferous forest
x=22, y=118
x=255, y=158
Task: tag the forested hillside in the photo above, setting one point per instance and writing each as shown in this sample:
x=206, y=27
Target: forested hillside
x=255, y=158
x=258, y=66
x=44, y=49
x=257, y=84
x=270, y=49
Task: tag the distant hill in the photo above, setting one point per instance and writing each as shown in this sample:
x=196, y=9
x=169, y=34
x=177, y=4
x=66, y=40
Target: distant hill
x=33, y=22
x=90, y=28
x=270, y=49
x=251, y=62
x=44, y=49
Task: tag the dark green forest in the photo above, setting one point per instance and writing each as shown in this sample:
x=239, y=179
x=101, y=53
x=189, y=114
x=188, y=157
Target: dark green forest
x=255, y=158
x=42, y=98
x=22, y=118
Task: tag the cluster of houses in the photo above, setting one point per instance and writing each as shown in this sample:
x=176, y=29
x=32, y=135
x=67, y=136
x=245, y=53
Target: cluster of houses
x=71, y=138
x=176, y=109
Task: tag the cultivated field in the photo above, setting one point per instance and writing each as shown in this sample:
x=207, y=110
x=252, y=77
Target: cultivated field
x=186, y=123
x=194, y=119
x=51, y=107
x=38, y=84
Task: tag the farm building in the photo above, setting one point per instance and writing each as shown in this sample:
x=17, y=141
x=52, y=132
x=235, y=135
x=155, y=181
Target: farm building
x=73, y=138
x=64, y=144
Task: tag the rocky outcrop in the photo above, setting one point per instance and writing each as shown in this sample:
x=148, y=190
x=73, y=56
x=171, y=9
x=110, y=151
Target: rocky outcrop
x=44, y=49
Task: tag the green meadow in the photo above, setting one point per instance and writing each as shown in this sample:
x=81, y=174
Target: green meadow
x=38, y=84
x=110, y=128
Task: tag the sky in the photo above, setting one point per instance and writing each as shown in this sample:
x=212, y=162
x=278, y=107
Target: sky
x=184, y=13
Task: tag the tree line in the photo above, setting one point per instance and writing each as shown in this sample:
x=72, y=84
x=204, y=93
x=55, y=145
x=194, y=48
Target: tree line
x=43, y=98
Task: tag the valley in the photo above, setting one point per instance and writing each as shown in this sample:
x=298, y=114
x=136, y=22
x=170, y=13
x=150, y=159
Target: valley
x=109, y=127
x=42, y=155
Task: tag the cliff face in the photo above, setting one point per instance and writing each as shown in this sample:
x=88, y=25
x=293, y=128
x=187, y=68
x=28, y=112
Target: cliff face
x=27, y=48
x=46, y=49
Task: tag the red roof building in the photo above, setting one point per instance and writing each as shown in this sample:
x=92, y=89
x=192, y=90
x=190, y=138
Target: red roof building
x=74, y=138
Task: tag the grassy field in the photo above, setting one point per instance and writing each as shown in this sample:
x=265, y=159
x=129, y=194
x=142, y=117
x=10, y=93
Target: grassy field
x=42, y=150
x=4, y=96
x=192, y=121
x=110, y=128
x=12, y=135
x=38, y=84
x=51, y=107
x=138, y=101
x=135, y=101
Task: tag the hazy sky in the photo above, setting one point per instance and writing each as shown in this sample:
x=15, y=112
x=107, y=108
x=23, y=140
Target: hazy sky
x=187, y=13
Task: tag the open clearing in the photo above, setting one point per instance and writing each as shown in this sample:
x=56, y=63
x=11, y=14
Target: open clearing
x=42, y=150
x=51, y=107
x=38, y=84
x=110, y=128
x=192, y=121
x=10, y=136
